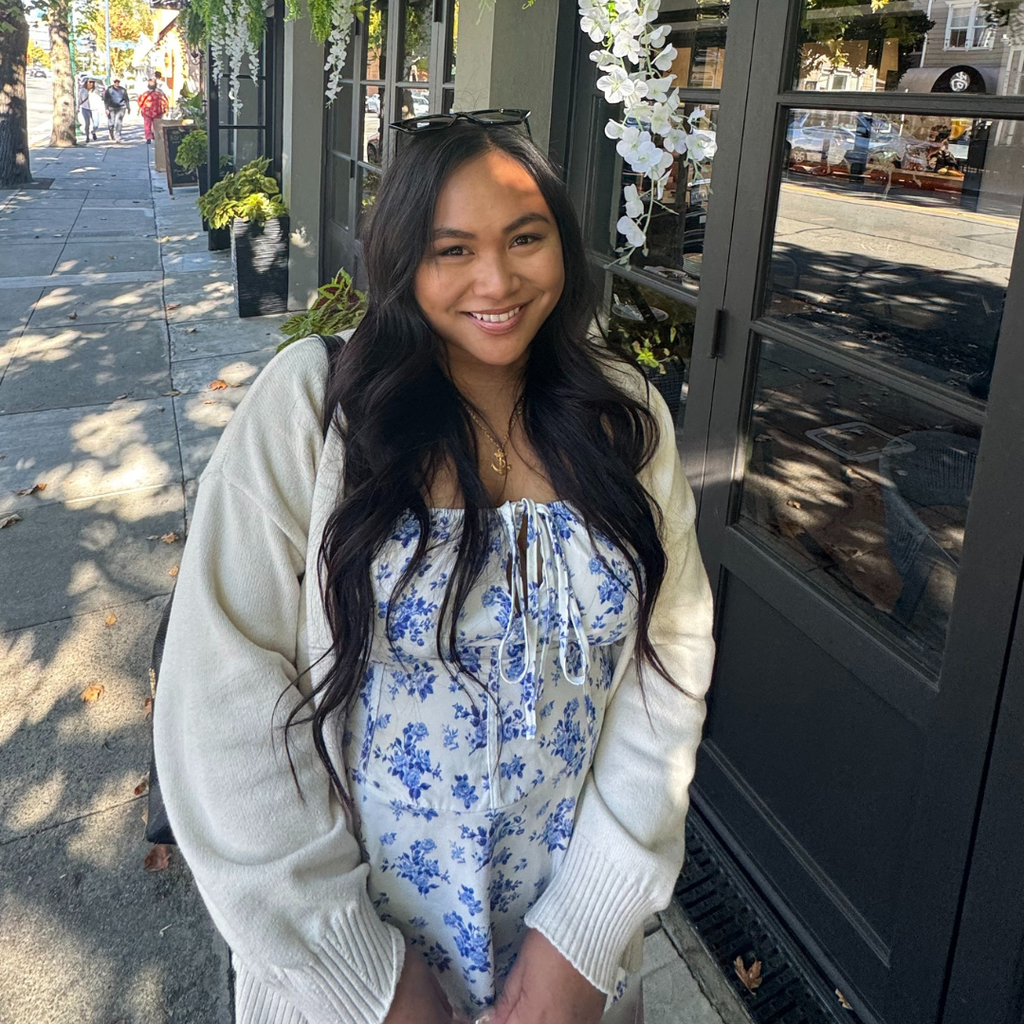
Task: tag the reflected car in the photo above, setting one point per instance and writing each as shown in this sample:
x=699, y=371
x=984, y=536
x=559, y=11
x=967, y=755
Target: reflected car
x=36, y=71
x=812, y=145
x=373, y=103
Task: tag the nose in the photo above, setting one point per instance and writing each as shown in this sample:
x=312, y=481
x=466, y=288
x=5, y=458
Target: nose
x=494, y=275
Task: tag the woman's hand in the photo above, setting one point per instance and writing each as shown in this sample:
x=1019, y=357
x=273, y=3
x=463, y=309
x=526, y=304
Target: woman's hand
x=544, y=988
x=419, y=999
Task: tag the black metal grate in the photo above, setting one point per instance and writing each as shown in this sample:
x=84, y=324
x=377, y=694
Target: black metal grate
x=725, y=912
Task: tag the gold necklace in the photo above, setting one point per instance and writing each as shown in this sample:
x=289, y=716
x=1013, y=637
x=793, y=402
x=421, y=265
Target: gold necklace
x=499, y=460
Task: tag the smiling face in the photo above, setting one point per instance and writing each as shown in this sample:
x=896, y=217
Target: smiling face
x=493, y=270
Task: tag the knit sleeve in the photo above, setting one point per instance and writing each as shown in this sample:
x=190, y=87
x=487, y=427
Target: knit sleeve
x=627, y=844
x=280, y=873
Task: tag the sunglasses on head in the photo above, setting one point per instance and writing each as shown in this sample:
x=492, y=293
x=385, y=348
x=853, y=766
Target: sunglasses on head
x=503, y=116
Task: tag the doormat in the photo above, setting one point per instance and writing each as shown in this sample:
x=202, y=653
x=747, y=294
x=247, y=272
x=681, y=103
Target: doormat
x=36, y=185
x=740, y=931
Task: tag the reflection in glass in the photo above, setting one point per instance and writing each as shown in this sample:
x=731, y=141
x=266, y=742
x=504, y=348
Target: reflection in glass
x=861, y=489
x=411, y=103
x=675, y=240
x=698, y=34
x=655, y=333
x=336, y=213
x=340, y=121
x=970, y=46
x=376, y=40
x=453, y=43
x=370, y=148
x=369, y=183
x=894, y=238
x=414, y=55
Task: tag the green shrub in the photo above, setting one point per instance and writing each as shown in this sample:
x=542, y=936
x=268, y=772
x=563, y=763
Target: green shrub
x=337, y=308
x=192, y=151
x=249, y=194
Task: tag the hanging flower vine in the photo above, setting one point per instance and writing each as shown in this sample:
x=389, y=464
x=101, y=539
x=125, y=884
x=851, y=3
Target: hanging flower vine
x=332, y=22
x=652, y=131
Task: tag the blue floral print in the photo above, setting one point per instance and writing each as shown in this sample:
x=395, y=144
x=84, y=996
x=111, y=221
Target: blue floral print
x=465, y=770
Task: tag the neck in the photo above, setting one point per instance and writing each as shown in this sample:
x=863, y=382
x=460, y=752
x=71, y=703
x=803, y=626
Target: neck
x=494, y=390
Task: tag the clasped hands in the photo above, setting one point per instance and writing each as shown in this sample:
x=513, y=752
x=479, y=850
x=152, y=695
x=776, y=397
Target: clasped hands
x=542, y=988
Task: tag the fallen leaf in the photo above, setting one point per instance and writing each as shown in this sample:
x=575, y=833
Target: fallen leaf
x=209, y=401
x=111, y=257
x=843, y=1001
x=120, y=397
x=175, y=391
x=750, y=976
x=191, y=330
x=174, y=305
x=26, y=491
x=92, y=693
x=158, y=858
x=173, y=571
x=72, y=316
x=794, y=504
x=10, y=520
x=170, y=538
x=166, y=238
x=111, y=619
x=142, y=787
x=218, y=385
x=148, y=705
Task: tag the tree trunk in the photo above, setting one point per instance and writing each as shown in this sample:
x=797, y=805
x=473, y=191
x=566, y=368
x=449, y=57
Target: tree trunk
x=64, y=91
x=14, y=164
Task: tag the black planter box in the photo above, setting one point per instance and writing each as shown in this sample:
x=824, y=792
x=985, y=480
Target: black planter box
x=259, y=265
x=669, y=384
x=218, y=239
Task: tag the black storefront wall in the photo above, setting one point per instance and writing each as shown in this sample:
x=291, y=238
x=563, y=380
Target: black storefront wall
x=865, y=779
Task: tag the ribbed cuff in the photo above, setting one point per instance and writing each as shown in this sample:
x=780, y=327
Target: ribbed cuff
x=353, y=979
x=590, y=913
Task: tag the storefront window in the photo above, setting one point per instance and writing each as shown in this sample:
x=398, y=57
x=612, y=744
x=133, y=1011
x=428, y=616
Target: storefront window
x=373, y=104
x=376, y=40
x=675, y=240
x=698, y=34
x=414, y=59
x=915, y=46
x=655, y=333
x=894, y=238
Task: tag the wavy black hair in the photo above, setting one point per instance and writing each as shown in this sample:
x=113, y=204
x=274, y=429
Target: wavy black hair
x=401, y=419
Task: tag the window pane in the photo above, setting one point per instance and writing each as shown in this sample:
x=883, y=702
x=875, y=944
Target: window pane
x=698, y=34
x=369, y=183
x=453, y=42
x=861, y=489
x=414, y=58
x=339, y=115
x=656, y=334
x=411, y=103
x=376, y=40
x=370, y=146
x=675, y=239
x=337, y=193
x=909, y=46
x=894, y=238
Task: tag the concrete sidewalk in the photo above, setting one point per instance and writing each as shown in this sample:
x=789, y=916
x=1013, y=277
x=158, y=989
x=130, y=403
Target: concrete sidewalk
x=114, y=320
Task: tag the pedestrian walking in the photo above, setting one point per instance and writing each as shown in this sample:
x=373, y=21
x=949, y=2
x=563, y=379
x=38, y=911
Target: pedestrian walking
x=433, y=681
x=115, y=100
x=90, y=106
x=151, y=104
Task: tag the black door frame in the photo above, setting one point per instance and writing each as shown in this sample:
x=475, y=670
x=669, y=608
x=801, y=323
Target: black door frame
x=959, y=712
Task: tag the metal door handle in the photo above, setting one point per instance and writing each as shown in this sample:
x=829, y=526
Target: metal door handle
x=715, y=349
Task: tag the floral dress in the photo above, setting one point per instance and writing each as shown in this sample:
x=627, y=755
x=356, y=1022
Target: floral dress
x=465, y=785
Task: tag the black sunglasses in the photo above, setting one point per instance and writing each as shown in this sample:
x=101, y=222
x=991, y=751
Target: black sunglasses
x=487, y=118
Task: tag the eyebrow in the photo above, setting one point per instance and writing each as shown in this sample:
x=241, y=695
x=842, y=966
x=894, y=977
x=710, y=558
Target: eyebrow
x=527, y=218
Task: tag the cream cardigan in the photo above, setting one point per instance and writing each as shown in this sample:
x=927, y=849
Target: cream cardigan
x=281, y=875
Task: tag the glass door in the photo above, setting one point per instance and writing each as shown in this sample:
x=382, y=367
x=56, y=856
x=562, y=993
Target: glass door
x=861, y=475
x=401, y=64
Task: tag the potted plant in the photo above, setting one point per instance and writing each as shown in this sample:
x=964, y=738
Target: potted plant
x=338, y=307
x=191, y=156
x=659, y=347
x=249, y=202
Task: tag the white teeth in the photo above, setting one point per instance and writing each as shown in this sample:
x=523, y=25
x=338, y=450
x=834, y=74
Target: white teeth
x=496, y=318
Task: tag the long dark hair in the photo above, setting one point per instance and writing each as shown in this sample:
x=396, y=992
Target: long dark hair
x=401, y=420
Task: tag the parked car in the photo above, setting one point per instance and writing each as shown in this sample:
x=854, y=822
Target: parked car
x=373, y=103
x=37, y=71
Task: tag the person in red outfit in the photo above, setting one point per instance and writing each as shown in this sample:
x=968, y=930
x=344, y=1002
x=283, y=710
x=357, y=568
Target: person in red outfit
x=152, y=104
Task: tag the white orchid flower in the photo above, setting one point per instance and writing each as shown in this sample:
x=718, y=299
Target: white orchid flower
x=634, y=204
x=634, y=234
x=676, y=140
x=702, y=146
x=596, y=22
x=656, y=37
x=664, y=59
x=658, y=88
x=637, y=148
x=614, y=129
x=619, y=87
x=661, y=118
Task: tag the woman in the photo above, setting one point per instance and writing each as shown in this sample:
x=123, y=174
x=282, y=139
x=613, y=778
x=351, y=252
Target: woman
x=152, y=104
x=90, y=103
x=488, y=580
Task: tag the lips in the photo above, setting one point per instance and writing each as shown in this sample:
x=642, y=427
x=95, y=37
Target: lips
x=498, y=323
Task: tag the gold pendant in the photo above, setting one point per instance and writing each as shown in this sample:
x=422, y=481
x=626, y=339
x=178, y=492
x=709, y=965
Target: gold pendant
x=499, y=463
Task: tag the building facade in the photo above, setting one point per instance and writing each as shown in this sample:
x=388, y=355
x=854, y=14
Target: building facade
x=841, y=281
